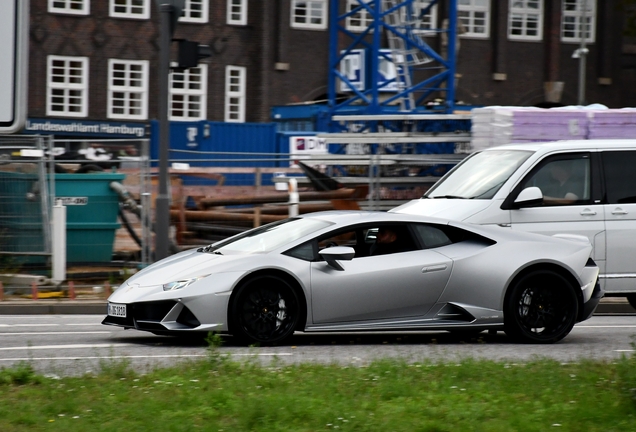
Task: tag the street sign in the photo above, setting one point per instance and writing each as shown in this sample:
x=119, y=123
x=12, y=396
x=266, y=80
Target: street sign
x=14, y=62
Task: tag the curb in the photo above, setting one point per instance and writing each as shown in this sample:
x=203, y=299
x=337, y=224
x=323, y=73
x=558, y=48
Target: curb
x=609, y=306
x=43, y=307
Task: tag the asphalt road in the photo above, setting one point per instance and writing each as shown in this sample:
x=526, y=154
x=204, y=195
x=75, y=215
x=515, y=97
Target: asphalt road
x=77, y=344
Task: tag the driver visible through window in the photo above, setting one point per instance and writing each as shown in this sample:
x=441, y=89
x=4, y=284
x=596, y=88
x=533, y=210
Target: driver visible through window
x=563, y=181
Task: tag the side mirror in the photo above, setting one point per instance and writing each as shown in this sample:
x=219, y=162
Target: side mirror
x=530, y=196
x=333, y=254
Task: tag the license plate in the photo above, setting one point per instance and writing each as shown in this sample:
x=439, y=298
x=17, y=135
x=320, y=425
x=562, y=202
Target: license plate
x=117, y=310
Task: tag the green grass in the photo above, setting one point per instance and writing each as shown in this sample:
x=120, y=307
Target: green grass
x=217, y=394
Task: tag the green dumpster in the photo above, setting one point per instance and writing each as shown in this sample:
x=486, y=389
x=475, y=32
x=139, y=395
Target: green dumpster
x=91, y=215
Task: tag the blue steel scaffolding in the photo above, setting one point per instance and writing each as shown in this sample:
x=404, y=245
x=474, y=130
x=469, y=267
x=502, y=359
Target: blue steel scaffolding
x=392, y=37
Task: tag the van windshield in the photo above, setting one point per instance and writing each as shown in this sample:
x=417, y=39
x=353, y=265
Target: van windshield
x=479, y=176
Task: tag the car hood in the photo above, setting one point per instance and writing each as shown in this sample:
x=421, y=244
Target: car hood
x=185, y=265
x=455, y=209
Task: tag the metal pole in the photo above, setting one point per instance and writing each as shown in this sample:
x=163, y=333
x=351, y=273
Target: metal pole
x=162, y=204
x=582, y=54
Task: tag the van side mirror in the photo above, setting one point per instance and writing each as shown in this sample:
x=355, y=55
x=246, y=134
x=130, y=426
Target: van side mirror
x=529, y=197
x=333, y=254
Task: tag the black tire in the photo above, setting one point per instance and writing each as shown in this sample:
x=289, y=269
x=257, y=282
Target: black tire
x=542, y=308
x=265, y=311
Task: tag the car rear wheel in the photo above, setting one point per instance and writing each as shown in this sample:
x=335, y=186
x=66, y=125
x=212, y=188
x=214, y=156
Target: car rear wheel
x=542, y=308
x=265, y=311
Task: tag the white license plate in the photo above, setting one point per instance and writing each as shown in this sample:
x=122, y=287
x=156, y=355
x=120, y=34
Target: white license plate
x=117, y=310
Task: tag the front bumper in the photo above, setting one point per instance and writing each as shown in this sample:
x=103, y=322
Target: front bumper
x=158, y=317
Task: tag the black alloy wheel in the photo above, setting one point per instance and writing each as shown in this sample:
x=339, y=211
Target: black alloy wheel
x=265, y=311
x=542, y=308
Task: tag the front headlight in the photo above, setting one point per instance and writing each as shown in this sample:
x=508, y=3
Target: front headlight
x=176, y=285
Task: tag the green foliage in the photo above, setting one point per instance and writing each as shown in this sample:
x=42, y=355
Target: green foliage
x=393, y=395
x=20, y=374
x=214, y=342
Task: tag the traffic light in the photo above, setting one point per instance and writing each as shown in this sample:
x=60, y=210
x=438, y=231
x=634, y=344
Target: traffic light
x=191, y=52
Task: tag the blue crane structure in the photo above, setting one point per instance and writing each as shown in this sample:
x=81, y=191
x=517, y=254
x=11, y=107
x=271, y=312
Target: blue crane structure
x=388, y=67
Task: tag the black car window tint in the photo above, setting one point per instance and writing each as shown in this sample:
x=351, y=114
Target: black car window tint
x=620, y=179
x=305, y=252
x=432, y=236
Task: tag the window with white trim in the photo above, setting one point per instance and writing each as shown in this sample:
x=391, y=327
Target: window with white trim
x=575, y=22
x=423, y=23
x=195, y=11
x=309, y=14
x=237, y=12
x=360, y=20
x=188, y=94
x=67, y=86
x=128, y=89
x=137, y=9
x=235, y=93
x=525, y=20
x=475, y=16
x=75, y=7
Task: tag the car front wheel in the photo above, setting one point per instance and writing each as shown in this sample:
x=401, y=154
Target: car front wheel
x=265, y=311
x=542, y=308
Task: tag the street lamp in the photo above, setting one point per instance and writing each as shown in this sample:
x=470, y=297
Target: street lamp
x=581, y=53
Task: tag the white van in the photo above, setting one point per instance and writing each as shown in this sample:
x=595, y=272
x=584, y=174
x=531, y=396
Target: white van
x=583, y=187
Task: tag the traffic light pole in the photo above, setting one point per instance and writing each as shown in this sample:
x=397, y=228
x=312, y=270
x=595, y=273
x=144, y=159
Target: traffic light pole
x=162, y=203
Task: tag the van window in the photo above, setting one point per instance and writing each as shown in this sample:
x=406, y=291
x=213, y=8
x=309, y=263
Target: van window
x=562, y=180
x=480, y=176
x=620, y=179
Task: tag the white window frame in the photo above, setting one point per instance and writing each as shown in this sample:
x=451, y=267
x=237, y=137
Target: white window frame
x=429, y=21
x=567, y=16
x=66, y=8
x=235, y=83
x=524, y=14
x=234, y=8
x=128, y=89
x=359, y=21
x=304, y=21
x=67, y=85
x=187, y=15
x=472, y=8
x=131, y=9
x=189, y=94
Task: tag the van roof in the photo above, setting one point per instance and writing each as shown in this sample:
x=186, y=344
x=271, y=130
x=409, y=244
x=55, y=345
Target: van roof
x=569, y=144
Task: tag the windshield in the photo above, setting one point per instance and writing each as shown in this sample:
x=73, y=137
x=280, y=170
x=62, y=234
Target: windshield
x=480, y=176
x=268, y=237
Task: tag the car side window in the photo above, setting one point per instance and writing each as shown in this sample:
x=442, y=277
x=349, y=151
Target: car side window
x=305, y=252
x=563, y=180
x=432, y=236
x=620, y=181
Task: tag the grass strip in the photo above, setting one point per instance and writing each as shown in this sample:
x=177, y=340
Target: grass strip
x=217, y=394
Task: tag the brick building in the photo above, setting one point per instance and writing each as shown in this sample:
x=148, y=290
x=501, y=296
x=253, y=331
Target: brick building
x=98, y=60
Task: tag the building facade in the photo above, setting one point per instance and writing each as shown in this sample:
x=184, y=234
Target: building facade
x=98, y=60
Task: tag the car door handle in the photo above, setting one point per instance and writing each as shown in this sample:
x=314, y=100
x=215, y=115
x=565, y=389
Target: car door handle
x=588, y=212
x=433, y=268
x=619, y=211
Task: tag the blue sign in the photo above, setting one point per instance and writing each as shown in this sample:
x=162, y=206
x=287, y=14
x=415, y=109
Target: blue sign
x=85, y=128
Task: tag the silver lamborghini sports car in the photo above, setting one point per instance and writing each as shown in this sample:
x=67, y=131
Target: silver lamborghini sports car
x=366, y=271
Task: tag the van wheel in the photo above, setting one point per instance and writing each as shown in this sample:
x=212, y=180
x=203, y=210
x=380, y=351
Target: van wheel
x=631, y=298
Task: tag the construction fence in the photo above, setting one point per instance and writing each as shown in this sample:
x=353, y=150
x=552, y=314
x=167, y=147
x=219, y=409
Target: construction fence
x=108, y=188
